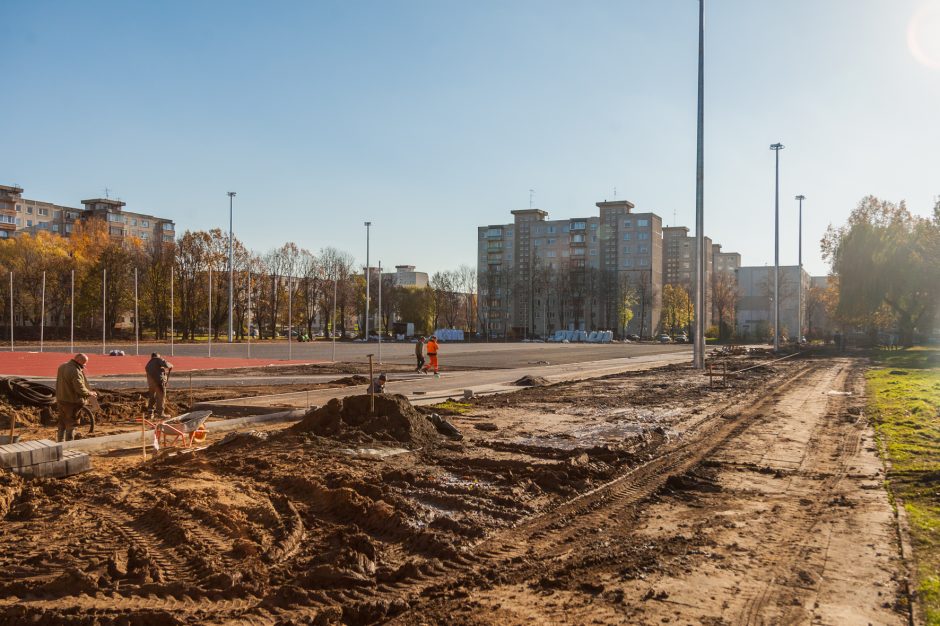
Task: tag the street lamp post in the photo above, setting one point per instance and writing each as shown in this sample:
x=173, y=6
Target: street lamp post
x=777, y=147
x=368, y=225
x=698, y=352
x=231, y=271
x=799, y=278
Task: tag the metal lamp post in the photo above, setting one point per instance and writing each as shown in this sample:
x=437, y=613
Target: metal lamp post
x=231, y=271
x=799, y=278
x=777, y=147
x=698, y=351
x=368, y=225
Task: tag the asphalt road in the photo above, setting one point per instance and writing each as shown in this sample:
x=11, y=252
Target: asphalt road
x=472, y=355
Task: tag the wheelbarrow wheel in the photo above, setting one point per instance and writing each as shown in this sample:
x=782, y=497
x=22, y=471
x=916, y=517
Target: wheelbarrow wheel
x=86, y=416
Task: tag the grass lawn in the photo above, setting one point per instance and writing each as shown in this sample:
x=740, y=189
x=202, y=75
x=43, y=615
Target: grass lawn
x=904, y=401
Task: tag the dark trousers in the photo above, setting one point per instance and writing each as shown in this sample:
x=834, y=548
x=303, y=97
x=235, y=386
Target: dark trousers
x=67, y=420
x=420, y=362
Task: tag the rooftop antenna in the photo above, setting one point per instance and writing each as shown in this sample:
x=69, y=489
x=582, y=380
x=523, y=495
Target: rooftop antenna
x=106, y=192
x=615, y=192
x=531, y=197
x=675, y=220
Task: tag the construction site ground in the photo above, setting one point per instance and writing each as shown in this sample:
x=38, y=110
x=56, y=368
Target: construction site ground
x=640, y=497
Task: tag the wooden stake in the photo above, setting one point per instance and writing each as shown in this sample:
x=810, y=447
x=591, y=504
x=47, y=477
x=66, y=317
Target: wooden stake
x=12, y=426
x=371, y=389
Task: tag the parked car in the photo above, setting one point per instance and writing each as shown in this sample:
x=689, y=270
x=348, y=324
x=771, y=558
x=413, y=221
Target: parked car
x=683, y=338
x=664, y=339
x=633, y=337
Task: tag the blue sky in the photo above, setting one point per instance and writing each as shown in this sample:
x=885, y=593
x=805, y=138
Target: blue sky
x=431, y=118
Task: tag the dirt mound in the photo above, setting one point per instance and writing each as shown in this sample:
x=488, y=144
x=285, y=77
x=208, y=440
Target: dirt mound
x=349, y=381
x=395, y=419
x=531, y=381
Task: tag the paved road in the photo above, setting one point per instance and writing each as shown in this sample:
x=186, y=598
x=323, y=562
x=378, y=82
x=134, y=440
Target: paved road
x=475, y=355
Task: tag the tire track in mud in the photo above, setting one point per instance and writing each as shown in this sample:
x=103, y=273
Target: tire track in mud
x=544, y=533
x=805, y=525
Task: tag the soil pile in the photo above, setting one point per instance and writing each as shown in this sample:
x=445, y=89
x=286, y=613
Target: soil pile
x=395, y=419
x=531, y=381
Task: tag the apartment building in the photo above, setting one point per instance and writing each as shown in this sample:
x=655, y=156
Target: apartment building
x=406, y=276
x=9, y=196
x=538, y=275
x=123, y=224
x=680, y=264
x=724, y=261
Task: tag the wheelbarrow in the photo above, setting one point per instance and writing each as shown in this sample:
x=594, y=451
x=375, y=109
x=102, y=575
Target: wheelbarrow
x=186, y=429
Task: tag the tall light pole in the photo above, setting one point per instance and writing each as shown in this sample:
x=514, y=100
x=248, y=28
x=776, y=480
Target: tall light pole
x=698, y=351
x=368, y=225
x=777, y=147
x=799, y=277
x=231, y=271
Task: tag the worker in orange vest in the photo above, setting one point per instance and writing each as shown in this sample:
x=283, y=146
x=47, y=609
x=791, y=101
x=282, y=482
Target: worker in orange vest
x=432, y=356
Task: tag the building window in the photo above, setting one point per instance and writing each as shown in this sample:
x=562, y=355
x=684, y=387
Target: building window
x=19, y=207
x=627, y=263
x=114, y=217
x=627, y=250
x=565, y=229
x=577, y=238
x=68, y=228
x=578, y=252
x=644, y=261
x=578, y=226
x=593, y=225
x=551, y=242
x=509, y=233
x=145, y=235
x=627, y=237
x=593, y=252
x=644, y=249
x=43, y=211
x=537, y=242
x=145, y=223
x=551, y=230
x=29, y=210
x=643, y=236
x=628, y=223
x=55, y=228
x=551, y=254
x=4, y=234
x=167, y=237
x=641, y=223
x=29, y=223
x=134, y=221
x=57, y=214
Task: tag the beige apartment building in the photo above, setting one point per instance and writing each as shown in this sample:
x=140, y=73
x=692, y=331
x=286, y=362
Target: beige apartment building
x=538, y=275
x=19, y=214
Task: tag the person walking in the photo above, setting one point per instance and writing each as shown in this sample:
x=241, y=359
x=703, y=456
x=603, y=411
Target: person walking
x=71, y=394
x=432, y=356
x=158, y=370
x=419, y=353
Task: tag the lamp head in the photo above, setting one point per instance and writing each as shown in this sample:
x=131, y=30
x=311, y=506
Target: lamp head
x=776, y=146
x=231, y=194
x=800, y=197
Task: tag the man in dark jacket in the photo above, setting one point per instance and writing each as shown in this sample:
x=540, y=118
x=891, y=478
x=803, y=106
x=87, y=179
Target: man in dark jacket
x=158, y=370
x=378, y=384
x=71, y=394
x=419, y=353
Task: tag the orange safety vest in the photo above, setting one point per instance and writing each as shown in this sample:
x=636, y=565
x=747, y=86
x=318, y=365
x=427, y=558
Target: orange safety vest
x=432, y=348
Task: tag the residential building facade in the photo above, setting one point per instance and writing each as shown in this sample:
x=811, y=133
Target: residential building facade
x=538, y=275
x=680, y=264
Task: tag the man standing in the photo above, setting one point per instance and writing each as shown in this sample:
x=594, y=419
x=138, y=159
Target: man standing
x=71, y=394
x=432, y=355
x=419, y=353
x=158, y=370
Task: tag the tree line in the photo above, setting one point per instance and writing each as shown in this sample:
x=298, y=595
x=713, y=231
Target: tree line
x=286, y=286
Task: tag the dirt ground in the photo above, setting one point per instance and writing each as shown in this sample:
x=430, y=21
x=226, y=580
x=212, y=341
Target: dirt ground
x=121, y=409
x=640, y=498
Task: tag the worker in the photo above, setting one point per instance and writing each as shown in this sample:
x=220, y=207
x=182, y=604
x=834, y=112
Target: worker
x=71, y=394
x=378, y=384
x=419, y=353
x=158, y=371
x=432, y=355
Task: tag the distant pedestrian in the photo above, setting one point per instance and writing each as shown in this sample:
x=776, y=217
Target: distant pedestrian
x=419, y=353
x=71, y=394
x=378, y=384
x=432, y=355
x=158, y=371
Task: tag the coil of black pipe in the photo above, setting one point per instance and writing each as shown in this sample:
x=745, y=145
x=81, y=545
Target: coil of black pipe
x=27, y=392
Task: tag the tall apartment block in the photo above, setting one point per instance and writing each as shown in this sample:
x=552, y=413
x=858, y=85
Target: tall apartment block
x=537, y=275
x=680, y=265
x=19, y=214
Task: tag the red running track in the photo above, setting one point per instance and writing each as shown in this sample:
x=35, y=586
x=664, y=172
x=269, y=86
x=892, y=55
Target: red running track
x=46, y=363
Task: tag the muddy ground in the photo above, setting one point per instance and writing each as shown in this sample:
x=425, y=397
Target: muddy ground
x=646, y=497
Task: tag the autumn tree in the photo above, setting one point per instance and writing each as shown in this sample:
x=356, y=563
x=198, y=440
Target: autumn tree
x=676, y=308
x=724, y=301
x=884, y=255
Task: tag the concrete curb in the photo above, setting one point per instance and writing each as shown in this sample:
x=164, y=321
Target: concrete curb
x=124, y=441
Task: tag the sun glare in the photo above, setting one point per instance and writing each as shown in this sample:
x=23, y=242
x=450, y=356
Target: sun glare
x=923, y=34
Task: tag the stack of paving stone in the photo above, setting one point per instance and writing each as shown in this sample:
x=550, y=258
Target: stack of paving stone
x=43, y=458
